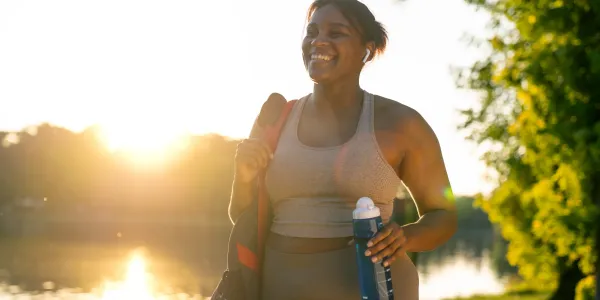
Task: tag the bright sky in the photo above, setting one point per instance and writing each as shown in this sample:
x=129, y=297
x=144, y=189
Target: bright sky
x=207, y=66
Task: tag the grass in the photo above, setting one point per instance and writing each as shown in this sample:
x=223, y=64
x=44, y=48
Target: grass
x=523, y=294
x=516, y=289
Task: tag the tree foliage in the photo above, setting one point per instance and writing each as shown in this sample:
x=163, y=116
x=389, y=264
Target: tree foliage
x=540, y=111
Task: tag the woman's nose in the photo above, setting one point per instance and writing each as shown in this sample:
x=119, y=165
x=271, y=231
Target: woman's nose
x=320, y=40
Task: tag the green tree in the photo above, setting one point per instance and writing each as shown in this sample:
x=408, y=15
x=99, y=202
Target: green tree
x=540, y=111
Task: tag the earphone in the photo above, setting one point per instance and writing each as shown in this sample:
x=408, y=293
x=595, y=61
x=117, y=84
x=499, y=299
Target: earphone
x=366, y=56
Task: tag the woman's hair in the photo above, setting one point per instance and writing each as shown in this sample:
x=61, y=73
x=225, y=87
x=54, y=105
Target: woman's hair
x=360, y=17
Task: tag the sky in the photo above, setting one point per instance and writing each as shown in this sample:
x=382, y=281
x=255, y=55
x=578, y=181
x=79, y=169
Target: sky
x=172, y=67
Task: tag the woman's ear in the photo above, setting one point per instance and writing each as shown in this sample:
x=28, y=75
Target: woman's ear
x=369, y=52
x=367, y=56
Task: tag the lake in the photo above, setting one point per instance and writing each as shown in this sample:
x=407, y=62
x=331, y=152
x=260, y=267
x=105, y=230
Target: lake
x=184, y=260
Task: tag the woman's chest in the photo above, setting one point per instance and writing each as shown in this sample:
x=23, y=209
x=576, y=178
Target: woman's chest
x=351, y=170
x=383, y=128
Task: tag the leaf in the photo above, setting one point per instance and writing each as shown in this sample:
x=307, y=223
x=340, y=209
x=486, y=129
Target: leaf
x=540, y=110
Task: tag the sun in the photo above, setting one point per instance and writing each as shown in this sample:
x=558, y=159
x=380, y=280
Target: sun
x=145, y=142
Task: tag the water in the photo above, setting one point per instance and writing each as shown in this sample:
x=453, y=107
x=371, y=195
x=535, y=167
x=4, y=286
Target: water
x=472, y=262
x=184, y=261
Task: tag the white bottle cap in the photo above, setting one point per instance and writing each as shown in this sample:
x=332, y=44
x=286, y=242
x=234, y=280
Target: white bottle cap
x=365, y=209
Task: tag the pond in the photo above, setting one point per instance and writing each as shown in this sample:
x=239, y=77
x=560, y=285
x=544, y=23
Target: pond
x=184, y=260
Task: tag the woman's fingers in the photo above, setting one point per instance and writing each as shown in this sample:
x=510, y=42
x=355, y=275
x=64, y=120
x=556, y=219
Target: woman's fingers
x=255, y=150
x=387, y=243
x=397, y=253
x=385, y=248
x=387, y=230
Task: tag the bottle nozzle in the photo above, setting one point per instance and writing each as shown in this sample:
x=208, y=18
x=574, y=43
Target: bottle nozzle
x=365, y=202
x=365, y=208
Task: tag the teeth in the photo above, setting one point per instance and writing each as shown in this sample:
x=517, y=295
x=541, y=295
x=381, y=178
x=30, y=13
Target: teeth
x=321, y=57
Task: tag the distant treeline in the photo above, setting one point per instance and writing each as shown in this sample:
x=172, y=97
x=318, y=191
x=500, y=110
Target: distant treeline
x=76, y=169
x=73, y=170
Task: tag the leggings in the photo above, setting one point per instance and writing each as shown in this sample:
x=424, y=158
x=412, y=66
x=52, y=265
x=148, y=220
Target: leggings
x=331, y=275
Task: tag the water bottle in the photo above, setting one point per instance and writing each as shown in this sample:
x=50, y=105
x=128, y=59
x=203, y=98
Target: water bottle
x=375, y=280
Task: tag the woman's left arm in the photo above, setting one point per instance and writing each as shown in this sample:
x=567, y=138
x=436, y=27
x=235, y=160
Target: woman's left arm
x=424, y=174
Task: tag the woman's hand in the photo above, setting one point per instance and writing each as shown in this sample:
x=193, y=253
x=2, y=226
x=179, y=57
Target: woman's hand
x=390, y=242
x=251, y=156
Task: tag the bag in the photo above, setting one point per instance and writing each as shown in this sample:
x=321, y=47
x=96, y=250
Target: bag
x=242, y=278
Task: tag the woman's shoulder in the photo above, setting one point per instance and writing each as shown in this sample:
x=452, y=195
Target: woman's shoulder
x=396, y=112
x=404, y=119
x=393, y=107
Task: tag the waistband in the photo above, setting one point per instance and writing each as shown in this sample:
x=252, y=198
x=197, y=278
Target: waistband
x=313, y=217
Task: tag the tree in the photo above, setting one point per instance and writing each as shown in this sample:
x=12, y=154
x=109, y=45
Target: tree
x=540, y=111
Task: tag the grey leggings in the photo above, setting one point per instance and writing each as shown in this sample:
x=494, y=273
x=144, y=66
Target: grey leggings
x=328, y=275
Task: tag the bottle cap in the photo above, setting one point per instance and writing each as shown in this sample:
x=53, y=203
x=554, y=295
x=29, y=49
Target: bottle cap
x=365, y=209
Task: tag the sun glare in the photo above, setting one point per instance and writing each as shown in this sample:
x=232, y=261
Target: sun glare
x=144, y=143
x=136, y=284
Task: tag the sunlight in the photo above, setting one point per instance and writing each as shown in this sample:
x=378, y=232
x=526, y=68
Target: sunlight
x=136, y=284
x=145, y=142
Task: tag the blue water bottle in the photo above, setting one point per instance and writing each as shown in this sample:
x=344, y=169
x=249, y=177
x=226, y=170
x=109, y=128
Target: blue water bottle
x=375, y=280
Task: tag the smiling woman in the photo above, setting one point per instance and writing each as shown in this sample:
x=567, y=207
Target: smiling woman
x=342, y=143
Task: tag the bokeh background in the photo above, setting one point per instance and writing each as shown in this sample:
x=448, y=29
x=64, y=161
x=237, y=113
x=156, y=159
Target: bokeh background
x=119, y=121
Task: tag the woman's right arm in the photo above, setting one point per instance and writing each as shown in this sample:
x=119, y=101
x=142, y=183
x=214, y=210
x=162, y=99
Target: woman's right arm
x=242, y=194
x=252, y=155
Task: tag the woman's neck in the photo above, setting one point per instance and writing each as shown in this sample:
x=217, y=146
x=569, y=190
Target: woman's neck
x=338, y=95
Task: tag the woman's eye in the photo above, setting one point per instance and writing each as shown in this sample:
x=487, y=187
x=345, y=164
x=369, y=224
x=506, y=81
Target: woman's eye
x=335, y=34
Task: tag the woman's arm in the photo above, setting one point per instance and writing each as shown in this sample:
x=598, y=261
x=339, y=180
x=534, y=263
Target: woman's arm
x=242, y=194
x=252, y=154
x=424, y=173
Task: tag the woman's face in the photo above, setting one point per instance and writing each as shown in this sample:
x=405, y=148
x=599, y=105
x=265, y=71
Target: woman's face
x=333, y=48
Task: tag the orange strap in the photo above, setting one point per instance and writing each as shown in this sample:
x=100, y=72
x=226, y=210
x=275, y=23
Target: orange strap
x=246, y=257
x=271, y=135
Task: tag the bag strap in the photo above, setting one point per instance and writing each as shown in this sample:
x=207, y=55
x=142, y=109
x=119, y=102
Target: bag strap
x=272, y=134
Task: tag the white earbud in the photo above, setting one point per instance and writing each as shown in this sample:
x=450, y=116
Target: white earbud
x=366, y=56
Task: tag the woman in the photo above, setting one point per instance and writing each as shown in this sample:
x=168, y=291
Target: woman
x=341, y=143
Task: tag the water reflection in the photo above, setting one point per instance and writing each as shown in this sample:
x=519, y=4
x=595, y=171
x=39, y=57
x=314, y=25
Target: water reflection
x=460, y=276
x=185, y=262
x=470, y=263
x=136, y=284
x=455, y=275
